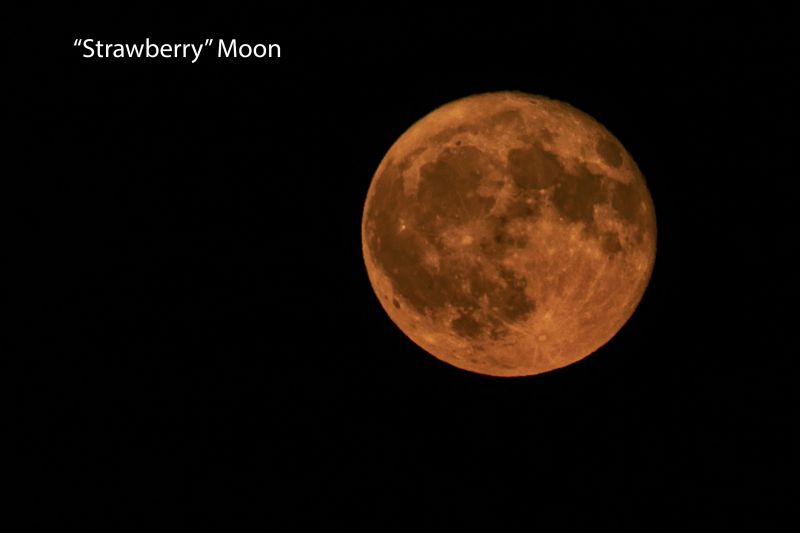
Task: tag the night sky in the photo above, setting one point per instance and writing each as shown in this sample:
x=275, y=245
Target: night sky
x=202, y=346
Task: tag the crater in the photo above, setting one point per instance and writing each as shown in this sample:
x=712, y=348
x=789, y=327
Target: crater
x=505, y=117
x=610, y=152
x=610, y=243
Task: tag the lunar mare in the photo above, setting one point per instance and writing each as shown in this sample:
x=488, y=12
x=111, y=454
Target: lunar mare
x=508, y=234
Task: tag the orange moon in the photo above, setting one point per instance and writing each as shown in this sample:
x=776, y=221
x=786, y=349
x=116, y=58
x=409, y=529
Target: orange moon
x=508, y=234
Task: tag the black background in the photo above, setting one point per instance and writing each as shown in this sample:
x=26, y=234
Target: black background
x=206, y=347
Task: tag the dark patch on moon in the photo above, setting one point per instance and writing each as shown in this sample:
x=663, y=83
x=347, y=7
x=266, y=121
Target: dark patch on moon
x=399, y=253
x=503, y=118
x=533, y=167
x=573, y=193
x=576, y=195
x=610, y=243
x=512, y=302
x=466, y=326
x=499, y=240
x=546, y=135
x=626, y=200
x=450, y=184
x=521, y=208
x=508, y=302
x=610, y=152
x=447, y=196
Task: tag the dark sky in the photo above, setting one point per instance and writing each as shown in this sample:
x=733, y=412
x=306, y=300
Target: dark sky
x=202, y=344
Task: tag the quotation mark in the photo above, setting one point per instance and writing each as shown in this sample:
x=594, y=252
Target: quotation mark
x=209, y=41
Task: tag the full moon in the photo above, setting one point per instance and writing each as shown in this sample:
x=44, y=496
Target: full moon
x=508, y=234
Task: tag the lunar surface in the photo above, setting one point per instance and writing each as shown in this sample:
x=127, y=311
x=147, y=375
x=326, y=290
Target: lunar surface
x=508, y=234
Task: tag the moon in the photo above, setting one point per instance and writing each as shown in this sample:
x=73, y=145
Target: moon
x=508, y=234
